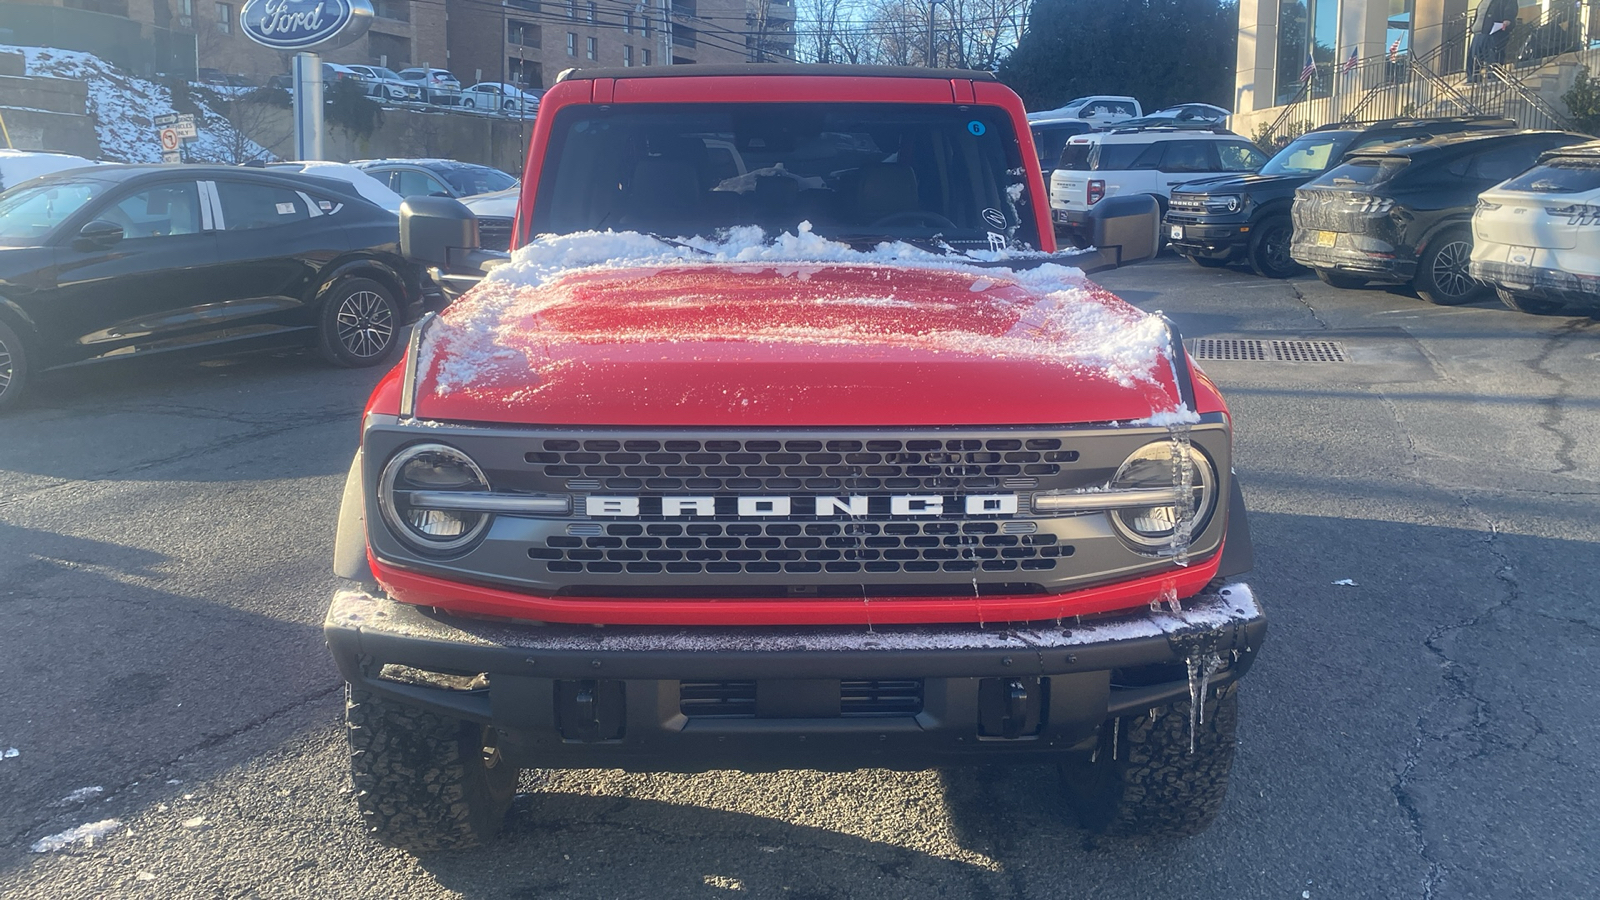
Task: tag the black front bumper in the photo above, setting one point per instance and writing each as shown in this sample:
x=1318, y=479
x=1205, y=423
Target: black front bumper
x=760, y=699
x=1348, y=260
x=1206, y=239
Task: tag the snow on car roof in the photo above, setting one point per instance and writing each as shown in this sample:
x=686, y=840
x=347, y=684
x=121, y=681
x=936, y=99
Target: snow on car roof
x=367, y=186
x=1069, y=324
x=17, y=166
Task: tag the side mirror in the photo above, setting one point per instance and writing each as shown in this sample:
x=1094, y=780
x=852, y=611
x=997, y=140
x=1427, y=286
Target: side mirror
x=98, y=235
x=441, y=235
x=1129, y=226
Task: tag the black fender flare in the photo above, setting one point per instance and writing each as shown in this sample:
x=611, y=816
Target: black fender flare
x=350, y=542
x=1443, y=225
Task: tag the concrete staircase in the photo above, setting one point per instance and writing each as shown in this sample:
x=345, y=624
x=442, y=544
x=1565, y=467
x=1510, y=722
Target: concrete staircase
x=43, y=113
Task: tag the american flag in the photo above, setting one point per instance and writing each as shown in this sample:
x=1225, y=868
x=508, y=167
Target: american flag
x=1394, y=50
x=1309, y=70
x=1351, y=63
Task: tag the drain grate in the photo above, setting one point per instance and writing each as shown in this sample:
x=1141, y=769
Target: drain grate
x=1255, y=350
x=1229, y=348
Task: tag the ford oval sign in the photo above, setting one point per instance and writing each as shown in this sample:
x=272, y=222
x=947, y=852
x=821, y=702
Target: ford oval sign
x=305, y=24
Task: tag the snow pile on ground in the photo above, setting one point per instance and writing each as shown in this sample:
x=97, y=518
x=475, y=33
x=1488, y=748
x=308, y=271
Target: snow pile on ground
x=81, y=795
x=124, y=108
x=83, y=834
x=1068, y=321
x=17, y=166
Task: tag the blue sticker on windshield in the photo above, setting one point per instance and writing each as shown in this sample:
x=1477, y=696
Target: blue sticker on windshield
x=977, y=128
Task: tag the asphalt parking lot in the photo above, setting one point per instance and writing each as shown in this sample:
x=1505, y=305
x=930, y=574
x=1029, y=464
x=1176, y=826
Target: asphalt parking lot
x=1425, y=731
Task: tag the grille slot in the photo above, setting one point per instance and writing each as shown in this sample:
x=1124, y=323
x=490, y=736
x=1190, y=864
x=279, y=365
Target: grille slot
x=1229, y=348
x=494, y=233
x=800, y=548
x=933, y=464
x=857, y=699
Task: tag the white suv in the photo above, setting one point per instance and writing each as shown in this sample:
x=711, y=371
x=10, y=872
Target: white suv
x=1145, y=160
x=1537, y=236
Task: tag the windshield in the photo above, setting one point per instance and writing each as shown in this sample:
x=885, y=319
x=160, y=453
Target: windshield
x=1098, y=156
x=1309, y=155
x=27, y=214
x=469, y=180
x=1369, y=170
x=857, y=172
x=1566, y=176
x=381, y=72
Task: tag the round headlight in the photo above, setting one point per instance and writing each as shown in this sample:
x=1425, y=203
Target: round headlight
x=420, y=470
x=1165, y=464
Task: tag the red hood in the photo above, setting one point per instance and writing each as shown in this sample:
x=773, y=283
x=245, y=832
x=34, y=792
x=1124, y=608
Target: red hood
x=799, y=344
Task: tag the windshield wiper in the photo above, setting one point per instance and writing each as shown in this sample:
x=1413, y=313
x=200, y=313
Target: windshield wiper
x=676, y=243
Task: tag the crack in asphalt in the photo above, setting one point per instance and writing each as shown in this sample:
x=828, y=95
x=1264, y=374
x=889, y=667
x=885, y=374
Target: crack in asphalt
x=1295, y=290
x=1553, y=408
x=156, y=771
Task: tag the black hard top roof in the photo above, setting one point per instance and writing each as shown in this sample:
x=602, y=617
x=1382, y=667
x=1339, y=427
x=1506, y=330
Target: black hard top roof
x=771, y=69
x=1474, y=123
x=1450, y=141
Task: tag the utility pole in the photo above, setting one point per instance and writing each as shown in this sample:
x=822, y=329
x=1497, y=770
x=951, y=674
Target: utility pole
x=933, y=8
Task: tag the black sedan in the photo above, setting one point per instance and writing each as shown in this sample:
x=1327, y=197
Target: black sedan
x=1402, y=214
x=115, y=262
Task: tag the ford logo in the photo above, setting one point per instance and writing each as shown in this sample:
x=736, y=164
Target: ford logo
x=305, y=24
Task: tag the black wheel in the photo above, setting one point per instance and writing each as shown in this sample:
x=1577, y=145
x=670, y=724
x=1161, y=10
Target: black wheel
x=1206, y=262
x=13, y=367
x=1527, y=303
x=425, y=782
x=1340, y=280
x=360, y=323
x=469, y=103
x=1269, y=248
x=1442, y=276
x=1142, y=778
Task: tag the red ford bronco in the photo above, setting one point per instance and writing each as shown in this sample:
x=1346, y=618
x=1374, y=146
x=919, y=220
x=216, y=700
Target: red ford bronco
x=788, y=440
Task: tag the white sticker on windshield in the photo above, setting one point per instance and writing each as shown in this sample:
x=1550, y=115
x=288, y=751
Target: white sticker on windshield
x=285, y=209
x=997, y=242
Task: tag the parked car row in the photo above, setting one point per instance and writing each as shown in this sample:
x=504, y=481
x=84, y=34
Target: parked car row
x=1453, y=208
x=428, y=86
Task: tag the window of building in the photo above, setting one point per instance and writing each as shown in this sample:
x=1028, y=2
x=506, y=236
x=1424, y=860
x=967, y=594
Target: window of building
x=523, y=34
x=627, y=22
x=527, y=5
x=188, y=7
x=1308, y=36
x=644, y=24
x=683, y=36
x=572, y=44
x=109, y=7
x=644, y=56
x=524, y=73
x=590, y=47
x=399, y=10
x=225, y=18
x=627, y=55
x=572, y=9
x=389, y=50
x=591, y=12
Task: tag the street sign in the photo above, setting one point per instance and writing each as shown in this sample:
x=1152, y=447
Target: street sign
x=171, y=156
x=170, y=140
x=182, y=123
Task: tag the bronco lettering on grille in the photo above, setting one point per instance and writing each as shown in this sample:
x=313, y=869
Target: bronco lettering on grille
x=766, y=506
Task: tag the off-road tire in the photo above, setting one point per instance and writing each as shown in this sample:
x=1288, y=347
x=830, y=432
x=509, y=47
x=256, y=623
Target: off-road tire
x=424, y=782
x=1269, y=248
x=1205, y=262
x=1154, y=785
x=13, y=367
x=1442, y=277
x=1527, y=303
x=1340, y=280
x=360, y=323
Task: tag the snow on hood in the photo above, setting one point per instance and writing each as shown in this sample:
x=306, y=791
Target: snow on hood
x=1052, y=313
x=17, y=166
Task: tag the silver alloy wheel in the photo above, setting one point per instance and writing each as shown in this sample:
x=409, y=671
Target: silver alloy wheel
x=6, y=367
x=1450, y=269
x=366, y=324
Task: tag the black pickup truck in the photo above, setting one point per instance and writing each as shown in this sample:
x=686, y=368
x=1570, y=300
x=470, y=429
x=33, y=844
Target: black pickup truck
x=1245, y=218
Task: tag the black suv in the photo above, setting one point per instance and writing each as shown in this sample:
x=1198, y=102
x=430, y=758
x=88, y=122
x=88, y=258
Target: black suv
x=1403, y=214
x=1246, y=217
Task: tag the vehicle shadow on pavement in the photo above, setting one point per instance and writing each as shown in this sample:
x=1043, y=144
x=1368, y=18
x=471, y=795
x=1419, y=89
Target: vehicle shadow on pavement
x=111, y=679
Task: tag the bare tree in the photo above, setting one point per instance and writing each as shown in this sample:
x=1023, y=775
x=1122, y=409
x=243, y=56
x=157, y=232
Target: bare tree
x=249, y=127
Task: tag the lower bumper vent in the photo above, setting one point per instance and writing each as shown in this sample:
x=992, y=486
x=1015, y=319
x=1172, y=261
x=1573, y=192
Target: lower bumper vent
x=737, y=699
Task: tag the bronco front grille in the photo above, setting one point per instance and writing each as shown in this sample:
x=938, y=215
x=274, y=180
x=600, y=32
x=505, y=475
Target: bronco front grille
x=772, y=547
x=1194, y=203
x=494, y=233
x=802, y=465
